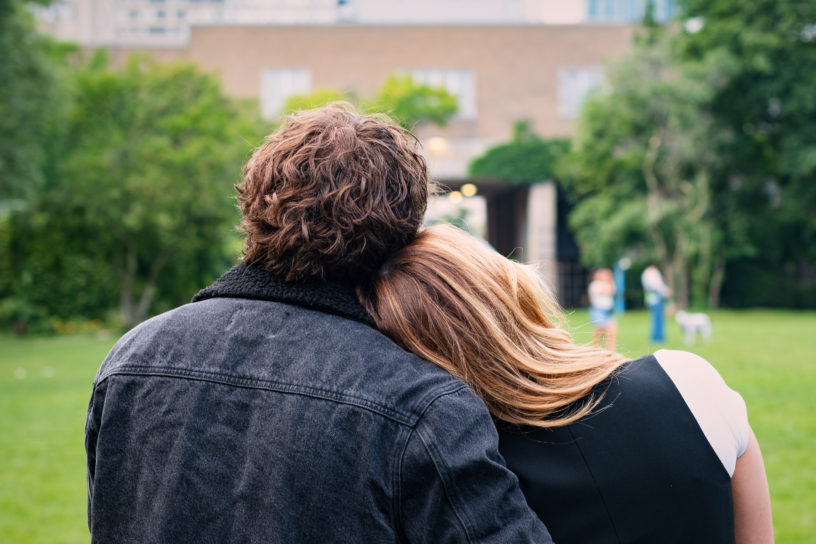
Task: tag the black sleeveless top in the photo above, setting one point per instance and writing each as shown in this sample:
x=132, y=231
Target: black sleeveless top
x=638, y=470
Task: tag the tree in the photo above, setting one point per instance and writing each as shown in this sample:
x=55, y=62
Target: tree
x=29, y=100
x=411, y=103
x=642, y=165
x=704, y=129
x=406, y=101
x=139, y=196
x=768, y=167
x=527, y=158
x=32, y=87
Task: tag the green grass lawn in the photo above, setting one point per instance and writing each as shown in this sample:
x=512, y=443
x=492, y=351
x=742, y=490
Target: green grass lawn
x=45, y=384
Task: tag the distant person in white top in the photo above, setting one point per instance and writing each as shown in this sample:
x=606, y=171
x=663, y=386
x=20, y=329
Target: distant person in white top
x=655, y=292
x=601, y=303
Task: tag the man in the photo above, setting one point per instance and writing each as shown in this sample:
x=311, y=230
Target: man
x=270, y=409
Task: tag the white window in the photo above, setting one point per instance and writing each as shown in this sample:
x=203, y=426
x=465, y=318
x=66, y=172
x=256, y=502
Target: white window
x=459, y=83
x=278, y=84
x=573, y=86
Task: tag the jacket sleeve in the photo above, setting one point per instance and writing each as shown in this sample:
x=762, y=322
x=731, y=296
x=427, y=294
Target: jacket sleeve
x=454, y=485
x=92, y=421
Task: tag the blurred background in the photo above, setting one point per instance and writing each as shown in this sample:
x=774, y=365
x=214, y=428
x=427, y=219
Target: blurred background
x=570, y=134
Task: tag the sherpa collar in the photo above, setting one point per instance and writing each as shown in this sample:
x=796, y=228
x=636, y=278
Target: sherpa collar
x=253, y=282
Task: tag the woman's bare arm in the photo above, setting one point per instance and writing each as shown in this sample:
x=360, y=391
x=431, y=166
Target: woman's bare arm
x=752, y=502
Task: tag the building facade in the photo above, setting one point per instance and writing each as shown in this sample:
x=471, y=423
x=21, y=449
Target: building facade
x=500, y=73
x=628, y=11
x=162, y=23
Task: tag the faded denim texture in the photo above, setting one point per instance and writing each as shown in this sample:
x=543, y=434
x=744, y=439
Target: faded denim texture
x=250, y=416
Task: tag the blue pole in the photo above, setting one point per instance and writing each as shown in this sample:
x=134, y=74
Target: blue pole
x=619, y=277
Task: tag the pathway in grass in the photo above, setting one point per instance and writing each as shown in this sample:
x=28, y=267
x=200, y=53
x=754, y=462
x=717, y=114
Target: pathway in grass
x=770, y=357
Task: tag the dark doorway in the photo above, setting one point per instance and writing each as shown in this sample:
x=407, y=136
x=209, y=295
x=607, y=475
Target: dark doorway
x=506, y=219
x=572, y=275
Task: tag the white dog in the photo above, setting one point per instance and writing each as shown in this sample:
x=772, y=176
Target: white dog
x=693, y=324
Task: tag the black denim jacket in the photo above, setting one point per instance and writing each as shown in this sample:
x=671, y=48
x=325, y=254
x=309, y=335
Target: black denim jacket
x=269, y=412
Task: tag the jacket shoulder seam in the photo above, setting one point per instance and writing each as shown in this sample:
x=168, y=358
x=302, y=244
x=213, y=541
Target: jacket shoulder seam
x=393, y=414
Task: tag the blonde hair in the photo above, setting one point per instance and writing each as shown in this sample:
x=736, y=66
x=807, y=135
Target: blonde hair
x=454, y=301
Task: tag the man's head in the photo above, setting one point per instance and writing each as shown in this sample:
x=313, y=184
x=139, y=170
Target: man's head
x=331, y=195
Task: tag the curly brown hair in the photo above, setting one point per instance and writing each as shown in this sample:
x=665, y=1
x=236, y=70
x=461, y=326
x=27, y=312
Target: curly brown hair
x=332, y=194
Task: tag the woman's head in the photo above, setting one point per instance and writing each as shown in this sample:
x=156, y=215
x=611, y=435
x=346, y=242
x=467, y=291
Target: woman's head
x=453, y=300
x=603, y=274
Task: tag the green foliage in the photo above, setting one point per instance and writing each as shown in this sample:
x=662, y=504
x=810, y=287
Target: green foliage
x=138, y=207
x=54, y=267
x=34, y=82
x=527, y=158
x=643, y=165
x=406, y=101
x=317, y=98
x=768, y=167
x=622, y=228
x=22, y=316
x=705, y=131
x=411, y=103
x=754, y=283
x=116, y=185
x=29, y=100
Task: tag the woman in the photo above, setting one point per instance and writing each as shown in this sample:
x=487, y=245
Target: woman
x=606, y=449
x=601, y=294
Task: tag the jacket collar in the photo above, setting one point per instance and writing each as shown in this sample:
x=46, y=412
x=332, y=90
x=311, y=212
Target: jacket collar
x=253, y=282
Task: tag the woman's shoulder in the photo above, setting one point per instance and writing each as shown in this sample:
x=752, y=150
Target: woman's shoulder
x=686, y=362
x=719, y=410
x=693, y=375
